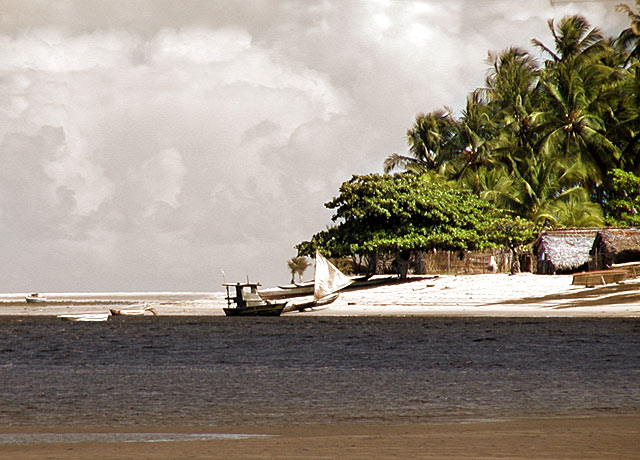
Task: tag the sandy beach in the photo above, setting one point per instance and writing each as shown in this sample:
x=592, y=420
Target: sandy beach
x=520, y=295
x=607, y=437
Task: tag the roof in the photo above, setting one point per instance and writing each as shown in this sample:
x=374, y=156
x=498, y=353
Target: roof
x=567, y=248
x=242, y=284
x=617, y=240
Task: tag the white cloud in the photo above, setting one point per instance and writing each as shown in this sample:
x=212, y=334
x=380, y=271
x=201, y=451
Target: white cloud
x=199, y=46
x=149, y=147
x=49, y=50
x=162, y=176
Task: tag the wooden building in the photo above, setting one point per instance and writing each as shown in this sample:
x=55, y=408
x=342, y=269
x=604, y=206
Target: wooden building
x=564, y=250
x=615, y=246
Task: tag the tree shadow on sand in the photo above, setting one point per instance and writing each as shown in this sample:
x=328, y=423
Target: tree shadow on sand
x=613, y=294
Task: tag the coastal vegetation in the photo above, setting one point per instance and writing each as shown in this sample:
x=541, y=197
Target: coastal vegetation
x=545, y=143
x=298, y=265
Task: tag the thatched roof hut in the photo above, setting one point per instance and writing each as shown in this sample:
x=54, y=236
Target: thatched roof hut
x=615, y=246
x=564, y=250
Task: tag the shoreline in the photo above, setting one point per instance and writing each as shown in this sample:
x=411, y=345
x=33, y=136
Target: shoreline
x=597, y=437
x=488, y=295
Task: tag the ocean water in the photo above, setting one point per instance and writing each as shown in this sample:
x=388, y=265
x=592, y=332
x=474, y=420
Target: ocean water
x=170, y=371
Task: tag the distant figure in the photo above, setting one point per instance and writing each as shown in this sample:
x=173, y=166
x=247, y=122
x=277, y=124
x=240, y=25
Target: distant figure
x=493, y=266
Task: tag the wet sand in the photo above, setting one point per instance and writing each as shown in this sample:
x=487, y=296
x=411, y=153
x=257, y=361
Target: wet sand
x=599, y=437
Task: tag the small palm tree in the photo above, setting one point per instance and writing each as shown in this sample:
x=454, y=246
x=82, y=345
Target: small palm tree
x=298, y=265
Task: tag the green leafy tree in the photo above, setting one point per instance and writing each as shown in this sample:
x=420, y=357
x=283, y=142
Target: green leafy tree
x=400, y=214
x=623, y=205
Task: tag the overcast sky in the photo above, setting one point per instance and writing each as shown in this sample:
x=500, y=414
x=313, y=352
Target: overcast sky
x=147, y=144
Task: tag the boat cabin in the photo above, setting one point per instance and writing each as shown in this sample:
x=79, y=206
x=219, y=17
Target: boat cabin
x=246, y=295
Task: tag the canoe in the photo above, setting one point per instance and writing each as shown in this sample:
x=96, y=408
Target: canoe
x=85, y=317
x=138, y=311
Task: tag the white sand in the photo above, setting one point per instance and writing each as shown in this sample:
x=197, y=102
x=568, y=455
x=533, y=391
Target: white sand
x=492, y=295
x=467, y=295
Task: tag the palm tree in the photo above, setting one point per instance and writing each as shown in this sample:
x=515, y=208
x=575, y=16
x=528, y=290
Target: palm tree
x=625, y=124
x=544, y=184
x=511, y=81
x=430, y=143
x=574, y=39
x=298, y=265
x=629, y=39
x=577, y=211
x=571, y=122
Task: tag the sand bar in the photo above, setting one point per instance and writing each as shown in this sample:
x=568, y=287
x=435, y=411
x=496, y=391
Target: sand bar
x=521, y=295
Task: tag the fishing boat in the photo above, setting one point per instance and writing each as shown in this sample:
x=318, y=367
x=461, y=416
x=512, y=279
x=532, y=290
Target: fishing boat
x=135, y=310
x=92, y=317
x=36, y=297
x=247, y=301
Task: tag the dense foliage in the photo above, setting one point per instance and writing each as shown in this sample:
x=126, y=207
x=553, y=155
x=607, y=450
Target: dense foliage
x=539, y=140
x=401, y=213
x=623, y=203
x=550, y=144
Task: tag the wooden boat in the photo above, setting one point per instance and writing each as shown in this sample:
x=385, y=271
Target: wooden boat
x=312, y=303
x=359, y=282
x=247, y=301
x=35, y=298
x=328, y=281
x=93, y=317
x=139, y=311
x=304, y=284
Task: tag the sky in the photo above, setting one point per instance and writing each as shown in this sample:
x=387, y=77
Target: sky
x=149, y=145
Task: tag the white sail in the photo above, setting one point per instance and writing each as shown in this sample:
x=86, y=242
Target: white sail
x=328, y=279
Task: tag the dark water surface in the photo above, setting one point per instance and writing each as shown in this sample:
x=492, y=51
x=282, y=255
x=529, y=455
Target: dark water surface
x=218, y=370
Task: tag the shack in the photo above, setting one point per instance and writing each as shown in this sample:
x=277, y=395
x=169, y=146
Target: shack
x=615, y=246
x=564, y=250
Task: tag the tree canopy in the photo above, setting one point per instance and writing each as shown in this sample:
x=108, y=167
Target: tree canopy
x=540, y=138
x=397, y=214
x=545, y=143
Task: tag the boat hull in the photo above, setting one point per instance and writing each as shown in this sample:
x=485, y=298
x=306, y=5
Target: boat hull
x=258, y=310
x=35, y=299
x=313, y=303
x=85, y=317
x=133, y=311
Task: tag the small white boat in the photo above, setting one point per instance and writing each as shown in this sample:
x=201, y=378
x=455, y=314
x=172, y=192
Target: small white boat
x=137, y=311
x=36, y=297
x=85, y=317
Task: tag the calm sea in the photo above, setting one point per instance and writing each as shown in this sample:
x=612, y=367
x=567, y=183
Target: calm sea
x=218, y=370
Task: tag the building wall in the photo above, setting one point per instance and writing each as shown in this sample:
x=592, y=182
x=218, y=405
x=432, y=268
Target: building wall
x=471, y=263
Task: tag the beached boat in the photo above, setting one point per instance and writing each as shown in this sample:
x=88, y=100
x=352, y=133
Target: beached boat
x=92, y=317
x=247, y=301
x=35, y=298
x=303, y=285
x=359, y=282
x=312, y=303
x=328, y=280
x=136, y=310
